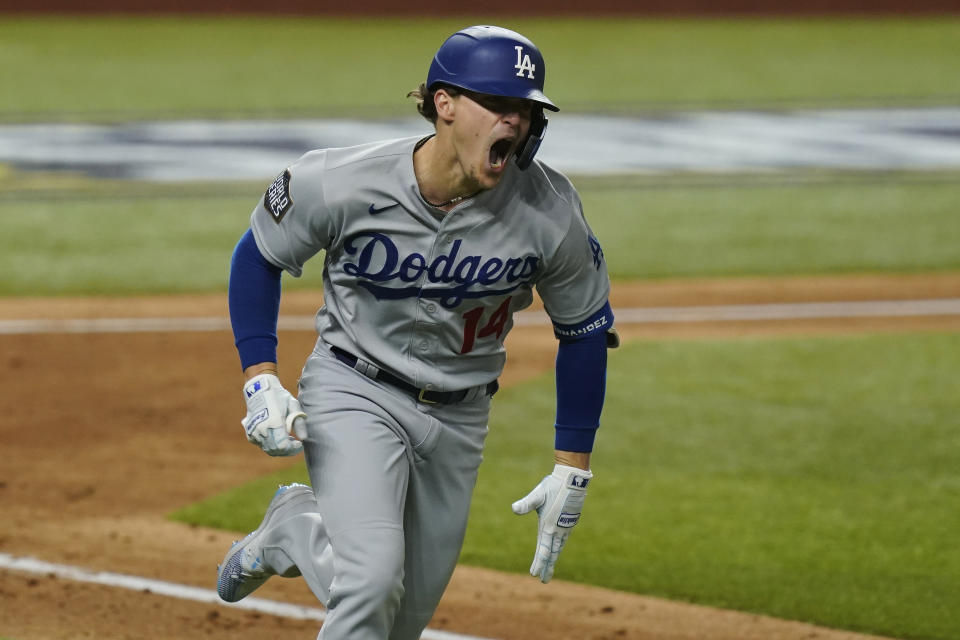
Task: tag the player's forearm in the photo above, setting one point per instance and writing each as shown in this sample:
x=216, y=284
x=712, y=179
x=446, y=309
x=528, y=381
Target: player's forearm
x=581, y=380
x=576, y=459
x=254, y=301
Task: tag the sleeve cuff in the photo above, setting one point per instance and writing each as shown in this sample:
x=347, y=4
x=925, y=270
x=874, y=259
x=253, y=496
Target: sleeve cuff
x=257, y=349
x=578, y=440
x=601, y=321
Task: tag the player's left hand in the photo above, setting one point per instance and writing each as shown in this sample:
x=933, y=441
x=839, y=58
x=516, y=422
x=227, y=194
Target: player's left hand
x=558, y=500
x=273, y=416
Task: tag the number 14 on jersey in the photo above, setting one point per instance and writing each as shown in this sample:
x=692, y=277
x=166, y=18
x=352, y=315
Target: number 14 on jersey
x=493, y=326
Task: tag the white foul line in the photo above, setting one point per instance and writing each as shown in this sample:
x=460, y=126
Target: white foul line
x=791, y=311
x=645, y=315
x=185, y=592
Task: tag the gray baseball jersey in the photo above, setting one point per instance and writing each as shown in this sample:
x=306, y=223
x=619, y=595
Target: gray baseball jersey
x=426, y=295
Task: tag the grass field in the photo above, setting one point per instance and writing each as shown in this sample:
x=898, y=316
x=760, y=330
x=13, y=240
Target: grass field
x=130, y=68
x=814, y=479
x=76, y=244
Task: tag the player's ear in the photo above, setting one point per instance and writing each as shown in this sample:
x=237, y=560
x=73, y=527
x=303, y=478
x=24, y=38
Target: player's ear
x=445, y=104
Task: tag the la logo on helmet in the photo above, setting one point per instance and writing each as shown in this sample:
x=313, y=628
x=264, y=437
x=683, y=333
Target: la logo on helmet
x=524, y=63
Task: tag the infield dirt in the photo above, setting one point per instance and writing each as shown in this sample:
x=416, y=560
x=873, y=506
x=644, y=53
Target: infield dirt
x=105, y=434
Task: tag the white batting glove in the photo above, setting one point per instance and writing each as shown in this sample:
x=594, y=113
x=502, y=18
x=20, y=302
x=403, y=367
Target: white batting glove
x=273, y=416
x=558, y=500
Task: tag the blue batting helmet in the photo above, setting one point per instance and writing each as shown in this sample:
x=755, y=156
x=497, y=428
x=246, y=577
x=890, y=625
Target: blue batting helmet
x=491, y=60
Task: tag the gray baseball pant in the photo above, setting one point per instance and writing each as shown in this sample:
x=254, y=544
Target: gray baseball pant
x=393, y=480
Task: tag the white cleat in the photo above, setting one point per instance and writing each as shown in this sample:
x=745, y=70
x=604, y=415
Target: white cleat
x=243, y=571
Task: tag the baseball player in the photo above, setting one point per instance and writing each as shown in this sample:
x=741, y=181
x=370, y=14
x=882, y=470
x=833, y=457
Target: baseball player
x=431, y=244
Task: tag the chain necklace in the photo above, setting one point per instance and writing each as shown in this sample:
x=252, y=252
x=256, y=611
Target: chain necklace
x=440, y=205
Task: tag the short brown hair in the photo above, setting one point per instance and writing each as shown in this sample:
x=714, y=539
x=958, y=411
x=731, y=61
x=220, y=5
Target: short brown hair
x=424, y=97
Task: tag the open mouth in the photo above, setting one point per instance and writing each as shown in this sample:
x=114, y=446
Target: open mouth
x=499, y=151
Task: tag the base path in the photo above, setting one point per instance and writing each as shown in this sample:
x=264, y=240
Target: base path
x=106, y=433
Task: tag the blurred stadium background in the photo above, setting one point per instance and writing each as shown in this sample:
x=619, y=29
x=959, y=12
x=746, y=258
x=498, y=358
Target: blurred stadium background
x=813, y=478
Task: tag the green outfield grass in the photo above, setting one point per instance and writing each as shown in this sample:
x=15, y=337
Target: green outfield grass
x=134, y=68
x=124, y=246
x=682, y=231
x=167, y=240
x=811, y=479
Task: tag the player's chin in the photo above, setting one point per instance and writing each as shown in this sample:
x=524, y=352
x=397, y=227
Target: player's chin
x=489, y=179
x=493, y=168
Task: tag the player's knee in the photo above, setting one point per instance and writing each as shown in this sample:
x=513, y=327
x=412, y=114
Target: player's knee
x=374, y=564
x=383, y=571
x=370, y=593
x=385, y=585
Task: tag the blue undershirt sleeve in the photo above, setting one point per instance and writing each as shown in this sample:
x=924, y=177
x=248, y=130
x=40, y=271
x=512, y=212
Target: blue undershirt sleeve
x=581, y=374
x=254, y=301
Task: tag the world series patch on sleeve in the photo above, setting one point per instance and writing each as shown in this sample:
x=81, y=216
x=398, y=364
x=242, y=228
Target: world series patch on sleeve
x=277, y=198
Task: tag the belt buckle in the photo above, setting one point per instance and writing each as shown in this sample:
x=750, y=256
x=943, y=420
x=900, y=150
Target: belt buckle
x=423, y=399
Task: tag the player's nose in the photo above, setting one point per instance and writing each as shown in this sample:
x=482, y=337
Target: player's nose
x=512, y=118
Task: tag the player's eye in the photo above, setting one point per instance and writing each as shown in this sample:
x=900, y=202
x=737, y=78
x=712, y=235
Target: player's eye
x=502, y=105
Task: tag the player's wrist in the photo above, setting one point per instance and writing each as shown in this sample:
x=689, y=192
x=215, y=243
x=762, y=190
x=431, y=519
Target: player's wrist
x=260, y=368
x=580, y=460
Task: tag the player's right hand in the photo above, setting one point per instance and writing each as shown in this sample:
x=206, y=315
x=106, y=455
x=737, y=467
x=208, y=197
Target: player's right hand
x=273, y=416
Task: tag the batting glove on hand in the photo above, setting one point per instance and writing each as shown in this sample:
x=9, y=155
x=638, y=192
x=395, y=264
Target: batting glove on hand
x=558, y=500
x=273, y=415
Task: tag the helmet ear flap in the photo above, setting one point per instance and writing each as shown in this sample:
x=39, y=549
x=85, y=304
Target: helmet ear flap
x=538, y=128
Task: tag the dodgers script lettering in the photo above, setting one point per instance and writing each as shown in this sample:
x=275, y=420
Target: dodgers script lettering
x=378, y=260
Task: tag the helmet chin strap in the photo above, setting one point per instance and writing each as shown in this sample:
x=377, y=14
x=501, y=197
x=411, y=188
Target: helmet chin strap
x=538, y=128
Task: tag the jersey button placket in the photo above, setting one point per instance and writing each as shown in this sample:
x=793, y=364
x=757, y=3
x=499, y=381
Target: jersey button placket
x=425, y=323
x=428, y=323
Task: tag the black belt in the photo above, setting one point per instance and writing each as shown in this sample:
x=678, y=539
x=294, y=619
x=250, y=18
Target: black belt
x=422, y=395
